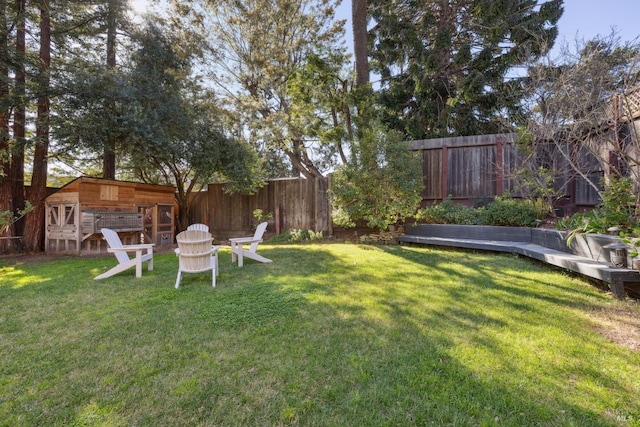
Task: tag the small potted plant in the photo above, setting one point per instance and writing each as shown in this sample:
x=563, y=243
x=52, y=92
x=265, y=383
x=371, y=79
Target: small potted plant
x=633, y=244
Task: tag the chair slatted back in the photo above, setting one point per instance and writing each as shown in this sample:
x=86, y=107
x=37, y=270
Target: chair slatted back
x=195, y=250
x=201, y=227
x=114, y=241
x=260, y=229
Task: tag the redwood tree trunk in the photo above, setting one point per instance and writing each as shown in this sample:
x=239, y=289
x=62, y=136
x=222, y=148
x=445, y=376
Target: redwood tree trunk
x=6, y=203
x=34, y=230
x=19, y=116
x=109, y=155
x=359, y=24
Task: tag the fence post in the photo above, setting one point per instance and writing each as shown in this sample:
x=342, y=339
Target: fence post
x=445, y=172
x=499, y=166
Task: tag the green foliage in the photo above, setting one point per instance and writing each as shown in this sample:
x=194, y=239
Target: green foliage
x=618, y=202
x=297, y=235
x=509, y=212
x=632, y=239
x=448, y=212
x=7, y=217
x=303, y=235
x=443, y=64
x=538, y=186
x=570, y=222
x=259, y=216
x=264, y=47
x=380, y=185
x=500, y=211
x=591, y=222
x=616, y=210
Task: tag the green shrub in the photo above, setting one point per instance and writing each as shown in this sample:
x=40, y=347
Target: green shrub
x=616, y=210
x=500, y=211
x=447, y=212
x=508, y=212
x=618, y=203
x=259, y=216
x=7, y=217
x=296, y=235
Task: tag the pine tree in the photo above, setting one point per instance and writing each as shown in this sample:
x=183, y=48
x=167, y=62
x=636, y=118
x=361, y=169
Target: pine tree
x=445, y=64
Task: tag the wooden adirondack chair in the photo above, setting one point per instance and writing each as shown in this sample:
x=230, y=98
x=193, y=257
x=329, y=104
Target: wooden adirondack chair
x=202, y=227
x=196, y=254
x=122, y=255
x=239, y=252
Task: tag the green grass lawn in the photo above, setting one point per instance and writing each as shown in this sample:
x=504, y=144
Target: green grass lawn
x=327, y=335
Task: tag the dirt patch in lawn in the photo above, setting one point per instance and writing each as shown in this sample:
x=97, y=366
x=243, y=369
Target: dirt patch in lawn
x=619, y=322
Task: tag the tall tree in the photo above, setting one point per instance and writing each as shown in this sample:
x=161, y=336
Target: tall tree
x=176, y=138
x=360, y=51
x=260, y=44
x=90, y=121
x=34, y=226
x=114, y=12
x=16, y=171
x=444, y=63
x=6, y=204
x=378, y=179
x=584, y=106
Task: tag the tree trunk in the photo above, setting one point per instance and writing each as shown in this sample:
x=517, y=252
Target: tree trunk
x=359, y=24
x=19, y=117
x=6, y=202
x=34, y=231
x=109, y=156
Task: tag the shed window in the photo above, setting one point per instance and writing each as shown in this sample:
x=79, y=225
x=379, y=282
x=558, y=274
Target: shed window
x=109, y=192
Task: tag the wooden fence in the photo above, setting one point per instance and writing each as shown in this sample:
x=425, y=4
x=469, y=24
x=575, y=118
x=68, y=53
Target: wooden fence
x=477, y=168
x=295, y=203
x=467, y=168
x=470, y=169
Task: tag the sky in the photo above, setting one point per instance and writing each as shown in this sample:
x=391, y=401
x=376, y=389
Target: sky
x=585, y=19
x=582, y=19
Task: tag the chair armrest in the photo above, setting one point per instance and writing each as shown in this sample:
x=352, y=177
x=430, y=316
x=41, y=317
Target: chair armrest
x=131, y=248
x=244, y=240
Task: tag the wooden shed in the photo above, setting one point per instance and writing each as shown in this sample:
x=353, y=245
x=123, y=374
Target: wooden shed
x=141, y=213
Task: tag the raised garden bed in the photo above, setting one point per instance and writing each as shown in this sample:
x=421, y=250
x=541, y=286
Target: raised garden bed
x=588, y=254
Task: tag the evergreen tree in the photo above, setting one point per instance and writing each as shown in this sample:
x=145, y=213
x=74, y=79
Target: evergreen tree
x=444, y=64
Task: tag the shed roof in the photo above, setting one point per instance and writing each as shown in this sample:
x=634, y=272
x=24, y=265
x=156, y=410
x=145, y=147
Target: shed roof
x=86, y=179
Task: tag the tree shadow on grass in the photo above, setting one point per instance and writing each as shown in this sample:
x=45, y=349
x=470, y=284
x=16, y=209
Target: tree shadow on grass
x=321, y=336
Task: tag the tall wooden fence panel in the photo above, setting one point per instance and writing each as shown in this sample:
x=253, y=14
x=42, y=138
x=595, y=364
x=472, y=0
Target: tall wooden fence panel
x=467, y=168
x=294, y=203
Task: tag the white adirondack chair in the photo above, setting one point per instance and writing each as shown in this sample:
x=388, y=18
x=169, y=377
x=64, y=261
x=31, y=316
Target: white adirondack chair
x=196, y=254
x=239, y=252
x=202, y=227
x=122, y=255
